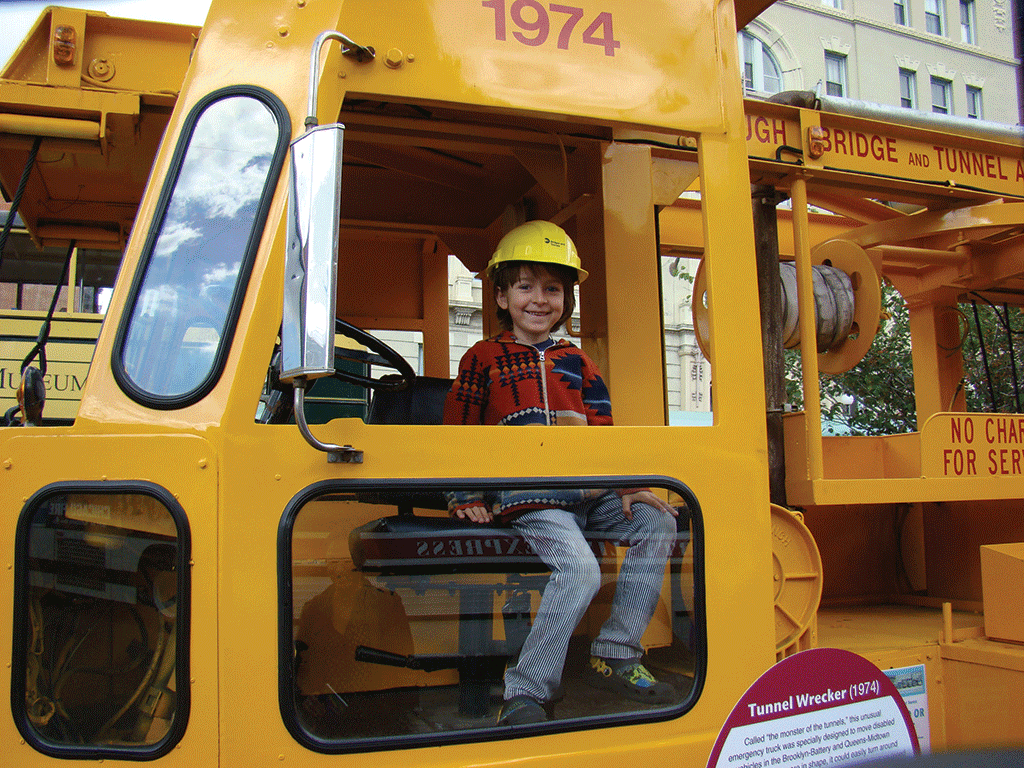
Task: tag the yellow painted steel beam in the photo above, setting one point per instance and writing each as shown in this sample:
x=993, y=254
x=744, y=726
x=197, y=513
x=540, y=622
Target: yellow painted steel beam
x=808, y=331
x=52, y=127
x=999, y=216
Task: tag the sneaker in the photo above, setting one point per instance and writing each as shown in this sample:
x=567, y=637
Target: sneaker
x=521, y=710
x=630, y=679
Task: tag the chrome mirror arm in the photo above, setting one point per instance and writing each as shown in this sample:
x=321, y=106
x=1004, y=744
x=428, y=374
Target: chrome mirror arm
x=335, y=453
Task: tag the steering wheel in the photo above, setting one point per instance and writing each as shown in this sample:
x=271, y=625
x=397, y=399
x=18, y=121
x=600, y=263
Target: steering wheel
x=384, y=355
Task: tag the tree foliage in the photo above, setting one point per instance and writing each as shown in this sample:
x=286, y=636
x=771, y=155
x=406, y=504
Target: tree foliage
x=876, y=397
x=993, y=350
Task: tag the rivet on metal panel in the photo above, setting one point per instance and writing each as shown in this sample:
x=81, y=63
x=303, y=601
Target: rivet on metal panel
x=283, y=31
x=101, y=69
x=64, y=45
x=394, y=58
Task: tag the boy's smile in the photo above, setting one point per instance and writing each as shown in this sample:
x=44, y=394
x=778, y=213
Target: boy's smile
x=536, y=302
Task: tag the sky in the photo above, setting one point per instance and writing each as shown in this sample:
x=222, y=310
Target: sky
x=18, y=16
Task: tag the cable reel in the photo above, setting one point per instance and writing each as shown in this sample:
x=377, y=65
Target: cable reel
x=797, y=582
x=847, y=301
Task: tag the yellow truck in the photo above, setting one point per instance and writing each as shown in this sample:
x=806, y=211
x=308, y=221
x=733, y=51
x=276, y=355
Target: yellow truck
x=199, y=573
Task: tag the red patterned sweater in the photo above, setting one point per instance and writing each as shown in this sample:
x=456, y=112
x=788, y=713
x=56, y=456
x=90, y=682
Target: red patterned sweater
x=500, y=381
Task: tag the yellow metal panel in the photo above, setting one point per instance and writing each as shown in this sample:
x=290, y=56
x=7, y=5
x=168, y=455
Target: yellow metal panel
x=983, y=683
x=1002, y=582
x=640, y=66
x=186, y=466
x=897, y=636
x=286, y=464
x=129, y=54
x=635, y=360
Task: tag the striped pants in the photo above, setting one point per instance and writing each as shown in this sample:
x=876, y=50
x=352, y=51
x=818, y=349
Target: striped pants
x=556, y=535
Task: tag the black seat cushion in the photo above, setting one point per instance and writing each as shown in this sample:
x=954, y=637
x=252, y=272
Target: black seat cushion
x=431, y=545
x=422, y=402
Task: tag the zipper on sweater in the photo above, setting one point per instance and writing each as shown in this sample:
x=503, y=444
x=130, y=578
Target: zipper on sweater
x=544, y=387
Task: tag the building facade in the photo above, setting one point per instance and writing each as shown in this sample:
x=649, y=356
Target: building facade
x=957, y=57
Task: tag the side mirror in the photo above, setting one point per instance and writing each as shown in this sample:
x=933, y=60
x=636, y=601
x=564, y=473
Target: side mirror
x=311, y=259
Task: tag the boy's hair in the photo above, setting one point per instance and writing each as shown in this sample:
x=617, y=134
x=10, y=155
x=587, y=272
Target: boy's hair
x=507, y=273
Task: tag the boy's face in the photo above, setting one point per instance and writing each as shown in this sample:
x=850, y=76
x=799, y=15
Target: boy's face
x=535, y=301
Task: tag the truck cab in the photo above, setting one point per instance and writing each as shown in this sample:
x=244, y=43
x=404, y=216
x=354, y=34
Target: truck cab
x=213, y=565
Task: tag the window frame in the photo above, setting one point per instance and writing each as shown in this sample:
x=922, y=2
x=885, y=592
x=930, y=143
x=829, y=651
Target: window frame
x=901, y=13
x=246, y=259
x=968, y=22
x=287, y=699
x=761, y=52
x=975, y=106
x=946, y=89
x=19, y=655
x=908, y=78
x=839, y=59
x=935, y=15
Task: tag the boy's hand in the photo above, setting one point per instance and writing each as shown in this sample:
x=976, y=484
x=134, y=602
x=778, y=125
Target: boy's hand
x=646, y=497
x=477, y=514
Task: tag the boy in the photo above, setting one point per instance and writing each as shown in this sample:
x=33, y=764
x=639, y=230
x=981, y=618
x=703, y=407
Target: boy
x=523, y=376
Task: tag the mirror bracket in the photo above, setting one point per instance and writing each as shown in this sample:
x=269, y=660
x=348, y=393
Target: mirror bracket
x=311, y=252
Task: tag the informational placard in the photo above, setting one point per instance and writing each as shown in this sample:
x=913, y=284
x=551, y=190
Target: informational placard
x=821, y=707
x=912, y=683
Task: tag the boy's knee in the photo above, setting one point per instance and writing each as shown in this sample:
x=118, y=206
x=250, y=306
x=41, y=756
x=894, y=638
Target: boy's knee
x=586, y=576
x=654, y=522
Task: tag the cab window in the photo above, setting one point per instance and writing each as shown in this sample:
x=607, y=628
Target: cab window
x=398, y=621
x=101, y=628
x=191, y=281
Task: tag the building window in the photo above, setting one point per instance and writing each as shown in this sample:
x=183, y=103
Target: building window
x=968, y=23
x=934, y=16
x=940, y=96
x=761, y=72
x=837, y=4
x=908, y=89
x=974, y=102
x=900, y=9
x=835, y=74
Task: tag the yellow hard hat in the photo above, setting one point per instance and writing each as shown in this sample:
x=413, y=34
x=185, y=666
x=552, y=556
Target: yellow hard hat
x=539, y=241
